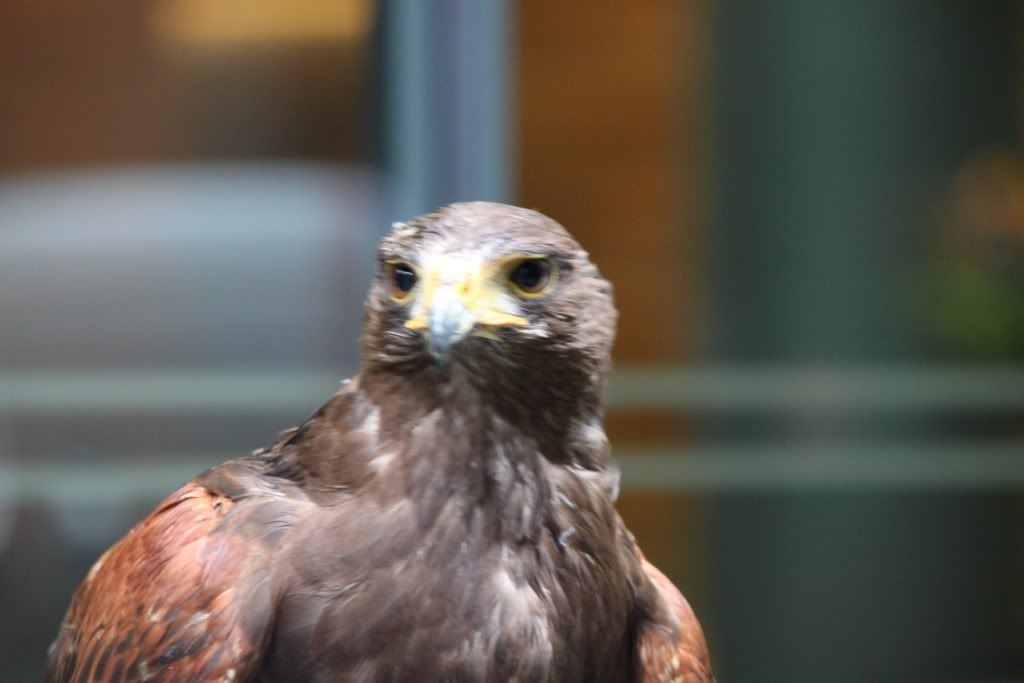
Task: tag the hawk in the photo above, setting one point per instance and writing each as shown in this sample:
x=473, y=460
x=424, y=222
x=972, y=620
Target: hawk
x=446, y=516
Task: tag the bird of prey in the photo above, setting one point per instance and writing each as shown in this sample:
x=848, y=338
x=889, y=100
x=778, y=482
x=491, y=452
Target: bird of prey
x=446, y=516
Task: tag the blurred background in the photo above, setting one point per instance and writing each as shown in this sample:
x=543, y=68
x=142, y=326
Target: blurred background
x=813, y=213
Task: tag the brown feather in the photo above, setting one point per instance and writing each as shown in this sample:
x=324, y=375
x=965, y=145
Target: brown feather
x=178, y=598
x=671, y=644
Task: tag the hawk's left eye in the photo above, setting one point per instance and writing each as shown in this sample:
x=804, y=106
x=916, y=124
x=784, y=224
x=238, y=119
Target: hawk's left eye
x=531, y=277
x=401, y=279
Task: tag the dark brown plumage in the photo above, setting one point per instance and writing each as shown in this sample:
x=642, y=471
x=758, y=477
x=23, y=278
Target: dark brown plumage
x=447, y=515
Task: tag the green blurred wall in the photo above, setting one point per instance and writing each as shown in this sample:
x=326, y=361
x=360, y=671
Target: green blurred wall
x=837, y=127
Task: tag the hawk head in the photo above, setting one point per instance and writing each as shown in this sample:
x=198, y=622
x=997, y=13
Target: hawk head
x=494, y=297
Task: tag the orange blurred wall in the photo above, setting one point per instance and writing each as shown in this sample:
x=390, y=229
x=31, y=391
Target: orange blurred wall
x=610, y=113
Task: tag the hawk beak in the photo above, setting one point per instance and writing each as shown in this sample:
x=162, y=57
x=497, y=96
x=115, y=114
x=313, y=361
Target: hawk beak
x=450, y=320
x=461, y=298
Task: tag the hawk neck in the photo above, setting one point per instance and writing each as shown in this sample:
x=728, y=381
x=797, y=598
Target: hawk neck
x=435, y=444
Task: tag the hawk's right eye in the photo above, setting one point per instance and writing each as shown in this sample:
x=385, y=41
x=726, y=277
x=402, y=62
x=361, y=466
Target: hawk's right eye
x=401, y=279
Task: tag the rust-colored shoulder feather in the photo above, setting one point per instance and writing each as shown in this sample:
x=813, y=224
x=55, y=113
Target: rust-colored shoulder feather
x=671, y=644
x=180, y=597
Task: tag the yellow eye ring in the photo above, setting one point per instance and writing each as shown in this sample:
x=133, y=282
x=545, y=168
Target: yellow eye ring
x=401, y=278
x=532, y=277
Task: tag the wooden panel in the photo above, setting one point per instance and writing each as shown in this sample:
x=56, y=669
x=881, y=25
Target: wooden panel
x=610, y=145
x=122, y=81
x=80, y=82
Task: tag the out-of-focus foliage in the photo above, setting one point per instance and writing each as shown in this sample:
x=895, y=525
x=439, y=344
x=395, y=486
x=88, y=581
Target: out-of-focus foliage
x=978, y=275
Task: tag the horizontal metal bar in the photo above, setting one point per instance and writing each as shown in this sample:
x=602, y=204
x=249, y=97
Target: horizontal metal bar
x=778, y=389
x=821, y=389
x=807, y=467
x=223, y=392
x=710, y=469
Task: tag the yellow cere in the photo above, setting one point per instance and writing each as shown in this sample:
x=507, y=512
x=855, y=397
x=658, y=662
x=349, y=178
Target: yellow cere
x=482, y=287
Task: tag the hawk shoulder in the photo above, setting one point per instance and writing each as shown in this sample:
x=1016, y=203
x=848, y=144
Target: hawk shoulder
x=671, y=645
x=185, y=595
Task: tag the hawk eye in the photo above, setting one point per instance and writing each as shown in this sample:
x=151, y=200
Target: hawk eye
x=401, y=279
x=532, y=277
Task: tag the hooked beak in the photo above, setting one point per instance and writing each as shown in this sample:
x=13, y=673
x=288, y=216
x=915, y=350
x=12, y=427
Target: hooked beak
x=449, y=321
x=460, y=298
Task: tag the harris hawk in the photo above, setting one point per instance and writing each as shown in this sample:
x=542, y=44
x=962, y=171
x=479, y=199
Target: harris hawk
x=446, y=516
